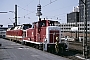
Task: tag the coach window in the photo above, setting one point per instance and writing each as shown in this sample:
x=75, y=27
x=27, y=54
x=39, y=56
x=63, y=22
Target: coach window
x=25, y=27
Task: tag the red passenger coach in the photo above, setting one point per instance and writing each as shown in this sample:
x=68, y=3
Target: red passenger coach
x=43, y=34
x=16, y=33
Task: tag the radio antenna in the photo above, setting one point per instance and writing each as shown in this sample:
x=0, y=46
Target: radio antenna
x=39, y=1
x=38, y=10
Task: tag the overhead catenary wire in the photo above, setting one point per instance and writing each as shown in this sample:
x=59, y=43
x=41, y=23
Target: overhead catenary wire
x=42, y=7
x=29, y=3
x=49, y=3
x=57, y=9
x=24, y=9
x=62, y=8
x=10, y=20
x=58, y=15
x=25, y=6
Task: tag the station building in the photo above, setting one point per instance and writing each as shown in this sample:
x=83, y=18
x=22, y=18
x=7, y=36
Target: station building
x=66, y=29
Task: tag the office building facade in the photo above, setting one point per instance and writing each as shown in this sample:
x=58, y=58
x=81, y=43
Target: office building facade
x=81, y=9
x=73, y=17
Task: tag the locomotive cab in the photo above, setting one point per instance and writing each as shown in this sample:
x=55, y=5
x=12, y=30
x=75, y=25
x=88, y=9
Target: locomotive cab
x=52, y=32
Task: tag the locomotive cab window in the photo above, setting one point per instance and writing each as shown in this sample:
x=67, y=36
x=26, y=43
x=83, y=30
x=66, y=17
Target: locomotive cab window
x=42, y=23
x=26, y=26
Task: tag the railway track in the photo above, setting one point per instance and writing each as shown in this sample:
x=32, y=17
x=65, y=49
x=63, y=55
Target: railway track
x=77, y=45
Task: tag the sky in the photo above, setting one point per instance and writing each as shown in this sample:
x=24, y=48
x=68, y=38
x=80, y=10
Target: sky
x=51, y=9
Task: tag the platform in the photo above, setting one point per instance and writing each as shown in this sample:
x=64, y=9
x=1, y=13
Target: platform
x=14, y=51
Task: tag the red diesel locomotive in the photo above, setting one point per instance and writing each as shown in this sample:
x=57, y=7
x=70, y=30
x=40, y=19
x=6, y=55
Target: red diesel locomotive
x=43, y=34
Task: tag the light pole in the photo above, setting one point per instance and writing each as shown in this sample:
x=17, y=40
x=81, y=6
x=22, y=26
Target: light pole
x=85, y=47
x=15, y=23
x=39, y=11
x=86, y=52
x=75, y=13
x=15, y=15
